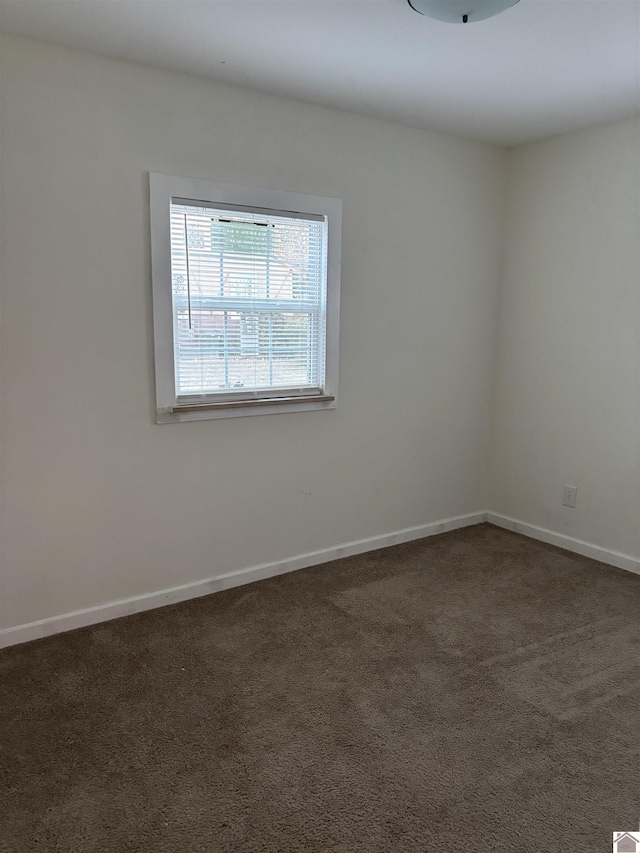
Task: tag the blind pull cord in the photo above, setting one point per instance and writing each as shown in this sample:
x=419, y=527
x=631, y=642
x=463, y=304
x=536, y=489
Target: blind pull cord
x=186, y=249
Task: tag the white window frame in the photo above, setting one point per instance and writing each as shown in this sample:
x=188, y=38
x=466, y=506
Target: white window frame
x=164, y=188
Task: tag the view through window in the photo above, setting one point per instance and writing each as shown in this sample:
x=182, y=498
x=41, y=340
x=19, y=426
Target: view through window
x=249, y=302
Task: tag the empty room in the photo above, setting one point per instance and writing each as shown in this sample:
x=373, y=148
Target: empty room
x=319, y=426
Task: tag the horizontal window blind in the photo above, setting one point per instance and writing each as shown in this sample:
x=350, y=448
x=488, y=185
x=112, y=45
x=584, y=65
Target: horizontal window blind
x=249, y=302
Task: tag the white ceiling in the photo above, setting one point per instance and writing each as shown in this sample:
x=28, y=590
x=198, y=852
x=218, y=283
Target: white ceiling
x=540, y=68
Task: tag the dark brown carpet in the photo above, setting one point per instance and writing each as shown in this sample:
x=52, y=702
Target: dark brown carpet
x=473, y=691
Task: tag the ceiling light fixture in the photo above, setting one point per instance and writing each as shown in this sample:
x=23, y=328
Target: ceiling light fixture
x=460, y=11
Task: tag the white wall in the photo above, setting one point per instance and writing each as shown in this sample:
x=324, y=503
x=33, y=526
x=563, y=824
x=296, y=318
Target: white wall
x=567, y=380
x=99, y=502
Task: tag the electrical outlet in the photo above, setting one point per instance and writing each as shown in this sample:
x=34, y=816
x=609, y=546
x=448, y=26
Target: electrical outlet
x=570, y=495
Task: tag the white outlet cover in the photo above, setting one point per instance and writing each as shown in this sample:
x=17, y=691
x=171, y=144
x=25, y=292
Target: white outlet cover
x=570, y=495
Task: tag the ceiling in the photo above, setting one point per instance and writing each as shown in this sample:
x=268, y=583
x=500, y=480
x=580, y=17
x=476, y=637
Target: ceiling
x=540, y=68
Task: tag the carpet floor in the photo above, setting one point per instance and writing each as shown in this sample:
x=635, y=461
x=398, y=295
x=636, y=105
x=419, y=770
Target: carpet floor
x=472, y=691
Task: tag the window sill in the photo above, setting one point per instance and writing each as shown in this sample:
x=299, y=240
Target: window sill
x=243, y=408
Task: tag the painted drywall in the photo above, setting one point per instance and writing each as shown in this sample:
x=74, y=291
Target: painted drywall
x=567, y=378
x=99, y=502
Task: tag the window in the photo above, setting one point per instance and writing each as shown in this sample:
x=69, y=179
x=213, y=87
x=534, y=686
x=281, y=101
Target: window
x=245, y=299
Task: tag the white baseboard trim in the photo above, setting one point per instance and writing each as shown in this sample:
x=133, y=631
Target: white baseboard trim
x=139, y=603
x=578, y=546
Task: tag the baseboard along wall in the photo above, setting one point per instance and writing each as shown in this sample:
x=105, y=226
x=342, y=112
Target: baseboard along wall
x=137, y=604
x=578, y=546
